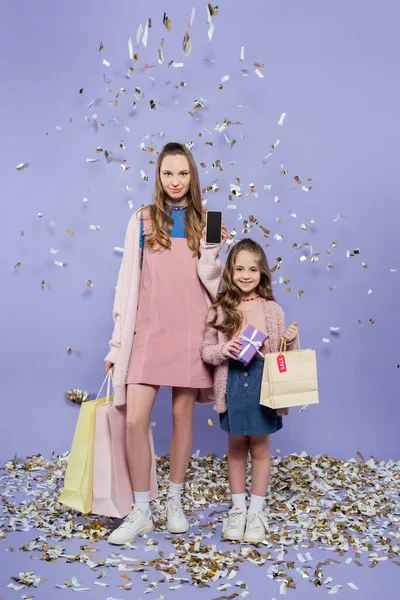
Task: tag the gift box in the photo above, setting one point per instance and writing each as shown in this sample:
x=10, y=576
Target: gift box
x=252, y=341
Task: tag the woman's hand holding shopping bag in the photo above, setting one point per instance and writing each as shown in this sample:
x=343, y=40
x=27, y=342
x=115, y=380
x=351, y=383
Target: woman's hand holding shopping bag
x=109, y=365
x=291, y=333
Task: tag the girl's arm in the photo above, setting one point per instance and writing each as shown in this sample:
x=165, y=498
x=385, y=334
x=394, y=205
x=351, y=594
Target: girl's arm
x=211, y=350
x=281, y=329
x=210, y=268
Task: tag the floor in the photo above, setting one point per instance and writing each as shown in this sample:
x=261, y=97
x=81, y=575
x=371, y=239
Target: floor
x=334, y=529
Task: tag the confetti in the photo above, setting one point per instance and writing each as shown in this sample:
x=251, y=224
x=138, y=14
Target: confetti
x=258, y=73
x=186, y=45
x=106, y=63
x=281, y=119
x=101, y=47
x=130, y=48
x=17, y=265
x=145, y=34
x=21, y=166
x=53, y=251
x=167, y=22
x=58, y=263
x=211, y=423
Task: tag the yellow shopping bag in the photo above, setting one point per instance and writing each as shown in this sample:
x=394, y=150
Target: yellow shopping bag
x=78, y=481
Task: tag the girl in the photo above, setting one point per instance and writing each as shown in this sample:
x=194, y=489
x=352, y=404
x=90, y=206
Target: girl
x=159, y=312
x=246, y=299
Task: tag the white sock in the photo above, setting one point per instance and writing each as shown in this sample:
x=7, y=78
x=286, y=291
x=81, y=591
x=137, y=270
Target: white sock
x=142, y=502
x=175, y=490
x=256, y=503
x=239, y=500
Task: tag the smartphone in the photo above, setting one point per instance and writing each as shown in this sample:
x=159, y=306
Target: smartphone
x=213, y=227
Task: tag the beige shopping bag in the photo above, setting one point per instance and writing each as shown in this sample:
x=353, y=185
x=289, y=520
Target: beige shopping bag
x=289, y=378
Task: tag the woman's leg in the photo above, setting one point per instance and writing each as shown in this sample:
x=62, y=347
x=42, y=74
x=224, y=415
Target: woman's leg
x=183, y=401
x=238, y=449
x=140, y=401
x=260, y=463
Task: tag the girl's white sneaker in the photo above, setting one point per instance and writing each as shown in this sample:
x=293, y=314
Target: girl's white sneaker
x=176, y=520
x=136, y=523
x=256, y=526
x=233, y=527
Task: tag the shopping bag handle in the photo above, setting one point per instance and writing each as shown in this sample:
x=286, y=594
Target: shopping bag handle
x=283, y=346
x=107, y=378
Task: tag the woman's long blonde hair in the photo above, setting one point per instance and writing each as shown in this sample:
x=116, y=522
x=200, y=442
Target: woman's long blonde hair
x=229, y=299
x=162, y=221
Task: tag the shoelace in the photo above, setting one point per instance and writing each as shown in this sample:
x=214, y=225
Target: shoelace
x=234, y=516
x=130, y=519
x=175, y=507
x=251, y=519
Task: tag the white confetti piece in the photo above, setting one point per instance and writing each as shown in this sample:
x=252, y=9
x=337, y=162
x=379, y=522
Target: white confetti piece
x=276, y=199
x=335, y=329
x=348, y=560
x=301, y=557
x=232, y=574
x=130, y=204
x=85, y=200
x=94, y=227
x=259, y=74
x=267, y=186
x=58, y=127
x=58, y=263
x=130, y=48
x=282, y=118
x=326, y=340
x=20, y=166
x=232, y=206
x=369, y=292
x=353, y=586
x=305, y=188
x=53, y=251
x=106, y=63
x=335, y=589
x=275, y=144
x=210, y=32
x=393, y=270
x=145, y=34
x=139, y=34
x=12, y=586
x=177, y=65
x=192, y=16
x=242, y=53
x=283, y=588
x=278, y=237
x=101, y=584
x=92, y=160
x=117, y=249
x=339, y=217
x=225, y=78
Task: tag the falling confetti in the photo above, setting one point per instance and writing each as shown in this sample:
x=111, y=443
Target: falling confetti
x=167, y=22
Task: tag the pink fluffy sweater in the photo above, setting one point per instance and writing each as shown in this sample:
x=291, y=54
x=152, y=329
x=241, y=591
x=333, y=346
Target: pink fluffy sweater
x=127, y=296
x=214, y=340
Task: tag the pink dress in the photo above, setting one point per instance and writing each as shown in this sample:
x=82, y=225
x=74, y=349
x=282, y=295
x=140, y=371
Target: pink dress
x=172, y=311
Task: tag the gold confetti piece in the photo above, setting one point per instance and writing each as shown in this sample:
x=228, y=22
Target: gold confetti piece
x=187, y=45
x=167, y=22
x=364, y=265
x=360, y=455
x=371, y=321
x=211, y=423
x=70, y=232
x=88, y=284
x=101, y=47
x=69, y=350
x=124, y=167
x=300, y=293
x=17, y=265
x=259, y=65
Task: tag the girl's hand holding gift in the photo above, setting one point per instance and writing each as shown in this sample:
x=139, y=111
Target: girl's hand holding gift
x=291, y=333
x=234, y=345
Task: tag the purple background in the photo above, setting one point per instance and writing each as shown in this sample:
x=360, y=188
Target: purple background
x=331, y=68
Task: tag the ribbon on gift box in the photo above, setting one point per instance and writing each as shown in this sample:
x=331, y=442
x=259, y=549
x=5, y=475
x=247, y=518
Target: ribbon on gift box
x=250, y=342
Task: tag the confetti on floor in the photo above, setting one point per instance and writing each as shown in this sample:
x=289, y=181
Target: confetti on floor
x=321, y=512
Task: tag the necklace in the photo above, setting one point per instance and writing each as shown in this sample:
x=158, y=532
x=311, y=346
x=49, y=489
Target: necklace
x=177, y=207
x=250, y=299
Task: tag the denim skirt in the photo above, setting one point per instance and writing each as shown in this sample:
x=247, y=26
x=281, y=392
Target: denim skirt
x=245, y=415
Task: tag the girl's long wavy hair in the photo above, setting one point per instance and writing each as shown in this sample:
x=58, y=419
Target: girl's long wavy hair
x=162, y=221
x=229, y=299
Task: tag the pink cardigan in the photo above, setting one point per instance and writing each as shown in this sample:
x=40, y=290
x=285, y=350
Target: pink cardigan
x=127, y=297
x=214, y=340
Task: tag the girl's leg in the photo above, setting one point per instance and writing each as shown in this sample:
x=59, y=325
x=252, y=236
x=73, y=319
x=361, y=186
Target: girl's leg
x=183, y=401
x=140, y=401
x=238, y=449
x=260, y=469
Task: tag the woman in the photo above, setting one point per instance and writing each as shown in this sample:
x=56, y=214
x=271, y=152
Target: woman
x=161, y=303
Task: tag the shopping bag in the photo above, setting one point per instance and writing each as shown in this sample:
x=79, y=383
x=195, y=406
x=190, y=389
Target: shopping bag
x=112, y=487
x=289, y=378
x=78, y=482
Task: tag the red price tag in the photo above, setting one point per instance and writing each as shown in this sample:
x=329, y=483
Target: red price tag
x=281, y=363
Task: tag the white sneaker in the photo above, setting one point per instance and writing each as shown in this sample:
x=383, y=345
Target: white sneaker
x=136, y=523
x=256, y=526
x=176, y=520
x=233, y=526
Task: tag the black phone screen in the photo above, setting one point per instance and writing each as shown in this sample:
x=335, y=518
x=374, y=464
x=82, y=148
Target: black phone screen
x=213, y=227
